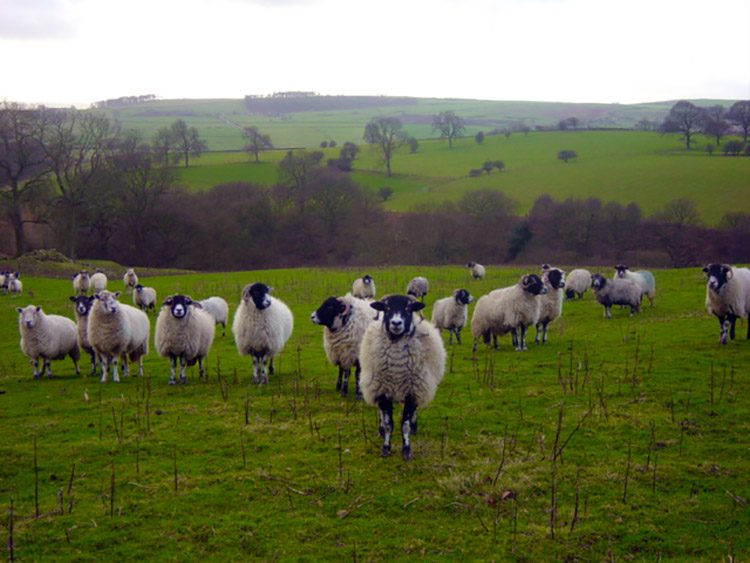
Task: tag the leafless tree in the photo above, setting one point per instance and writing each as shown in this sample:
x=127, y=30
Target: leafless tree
x=187, y=140
x=449, y=125
x=386, y=134
x=685, y=118
x=255, y=141
x=739, y=113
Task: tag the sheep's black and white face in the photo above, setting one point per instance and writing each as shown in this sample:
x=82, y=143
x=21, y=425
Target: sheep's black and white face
x=533, y=284
x=178, y=305
x=330, y=314
x=29, y=315
x=598, y=281
x=462, y=297
x=139, y=288
x=398, y=311
x=555, y=278
x=718, y=275
x=109, y=300
x=471, y=264
x=258, y=293
x=367, y=279
x=83, y=304
x=621, y=270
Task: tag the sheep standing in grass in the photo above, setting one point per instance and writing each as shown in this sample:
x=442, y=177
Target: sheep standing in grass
x=262, y=324
x=4, y=279
x=115, y=331
x=15, y=285
x=417, y=287
x=728, y=297
x=144, y=297
x=345, y=320
x=509, y=309
x=451, y=313
x=218, y=309
x=642, y=278
x=47, y=337
x=577, y=282
x=402, y=362
x=183, y=331
x=81, y=282
x=616, y=292
x=364, y=287
x=477, y=270
x=130, y=280
x=98, y=282
x=82, y=306
x=551, y=303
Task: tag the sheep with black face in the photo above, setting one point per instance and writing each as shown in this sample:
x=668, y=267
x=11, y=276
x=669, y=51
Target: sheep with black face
x=82, y=305
x=81, y=282
x=642, y=278
x=403, y=361
x=551, y=303
x=727, y=297
x=616, y=291
x=451, y=313
x=477, y=270
x=418, y=287
x=144, y=297
x=364, y=287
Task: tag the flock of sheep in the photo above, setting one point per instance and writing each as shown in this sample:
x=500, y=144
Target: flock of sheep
x=398, y=360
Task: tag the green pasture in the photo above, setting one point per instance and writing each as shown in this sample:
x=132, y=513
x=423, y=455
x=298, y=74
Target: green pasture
x=621, y=439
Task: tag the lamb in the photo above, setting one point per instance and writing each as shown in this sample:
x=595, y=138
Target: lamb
x=218, y=309
x=577, y=282
x=642, y=278
x=402, y=362
x=616, y=291
x=451, y=313
x=417, y=287
x=15, y=285
x=117, y=330
x=477, y=270
x=81, y=283
x=345, y=320
x=262, y=324
x=144, y=297
x=728, y=297
x=82, y=306
x=183, y=330
x=47, y=337
x=130, y=280
x=510, y=309
x=98, y=282
x=551, y=303
x=364, y=287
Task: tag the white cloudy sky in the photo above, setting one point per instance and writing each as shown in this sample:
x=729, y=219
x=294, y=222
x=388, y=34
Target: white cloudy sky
x=79, y=51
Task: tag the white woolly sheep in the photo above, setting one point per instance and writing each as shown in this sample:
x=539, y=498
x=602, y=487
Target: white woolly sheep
x=144, y=297
x=4, y=279
x=728, y=297
x=98, y=282
x=451, y=313
x=47, y=338
x=510, y=309
x=116, y=330
x=642, y=278
x=81, y=282
x=417, y=287
x=130, y=280
x=218, y=309
x=82, y=306
x=345, y=320
x=616, y=292
x=551, y=303
x=262, y=324
x=577, y=282
x=15, y=285
x=183, y=331
x=477, y=270
x=364, y=287
x=402, y=362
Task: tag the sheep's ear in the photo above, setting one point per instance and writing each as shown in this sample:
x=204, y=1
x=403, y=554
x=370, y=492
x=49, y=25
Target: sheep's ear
x=73, y=299
x=525, y=280
x=38, y=308
x=19, y=309
x=728, y=272
x=117, y=294
x=378, y=305
x=167, y=301
x=705, y=269
x=196, y=305
x=417, y=306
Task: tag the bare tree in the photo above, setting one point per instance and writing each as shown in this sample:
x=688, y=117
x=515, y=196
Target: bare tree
x=449, y=125
x=386, y=134
x=739, y=113
x=566, y=155
x=295, y=168
x=714, y=124
x=685, y=118
x=255, y=141
x=187, y=140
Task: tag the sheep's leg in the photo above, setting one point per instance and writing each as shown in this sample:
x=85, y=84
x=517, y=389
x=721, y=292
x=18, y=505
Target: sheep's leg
x=386, y=423
x=140, y=366
x=494, y=340
x=115, y=377
x=458, y=336
x=264, y=371
x=256, y=368
x=223, y=329
x=345, y=383
x=105, y=369
x=340, y=378
x=450, y=335
x=183, y=363
x=93, y=364
x=732, y=319
x=723, y=329
x=75, y=363
x=270, y=366
x=48, y=365
x=538, y=330
x=514, y=338
x=125, y=366
x=358, y=370
x=545, y=326
x=748, y=327
x=410, y=409
x=34, y=365
x=172, y=367
x=523, y=337
x=200, y=368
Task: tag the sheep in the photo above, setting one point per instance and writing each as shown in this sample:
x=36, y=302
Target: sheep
x=81, y=283
x=15, y=285
x=98, y=282
x=47, y=337
x=551, y=303
x=642, y=278
x=4, y=279
x=144, y=297
x=402, y=362
x=183, y=330
x=417, y=287
x=510, y=309
x=345, y=320
x=82, y=306
x=477, y=270
x=451, y=313
x=218, y=309
x=616, y=291
x=577, y=282
x=262, y=324
x=727, y=297
x=130, y=280
x=364, y=287
x=117, y=330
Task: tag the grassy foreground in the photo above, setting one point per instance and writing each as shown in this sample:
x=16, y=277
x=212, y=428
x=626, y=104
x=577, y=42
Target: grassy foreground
x=618, y=440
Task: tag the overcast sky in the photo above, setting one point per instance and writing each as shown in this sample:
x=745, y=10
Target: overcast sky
x=80, y=51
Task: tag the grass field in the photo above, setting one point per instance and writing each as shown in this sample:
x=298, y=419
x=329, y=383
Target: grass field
x=621, y=439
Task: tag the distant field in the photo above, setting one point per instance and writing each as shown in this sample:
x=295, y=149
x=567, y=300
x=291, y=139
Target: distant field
x=622, y=166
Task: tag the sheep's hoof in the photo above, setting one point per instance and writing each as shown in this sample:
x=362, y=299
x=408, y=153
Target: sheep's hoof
x=344, y=393
x=263, y=379
x=173, y=382
x=406, y=454
x=183, y=380
x=385, y=452
x=358, y=396
x=37, y=376
x=255, y=379
x=49, y=376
